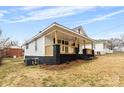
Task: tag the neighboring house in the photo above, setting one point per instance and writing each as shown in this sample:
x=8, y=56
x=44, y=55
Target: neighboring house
x=12, y=51
x=57, y=44
x=122, y=49
x=100, y=47
x=1, y=53
x=119, y=49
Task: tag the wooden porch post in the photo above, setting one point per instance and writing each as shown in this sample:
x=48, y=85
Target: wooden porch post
x=84, y=44
x=56, y=50
x=92, y=46
x=56, y=39
x=76, y=45
x=75, y=42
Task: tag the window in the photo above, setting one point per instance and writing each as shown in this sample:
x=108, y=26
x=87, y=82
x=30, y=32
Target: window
x=59, y=41
x=62, y=41
x=66, y=49
x=66, y=43
x=27, y=46
x=104, y=46
x=63, y=48
x=35, y=45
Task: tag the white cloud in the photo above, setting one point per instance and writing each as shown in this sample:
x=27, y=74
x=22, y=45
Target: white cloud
x=55, y=12
x=17, y=17
x=116, y=34
x=104, y=17
x=28, y=8
x=2, y=13
x=108, y=35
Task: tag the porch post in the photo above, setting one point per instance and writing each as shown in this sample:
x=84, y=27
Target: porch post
x=93, y=54
x=85, y=50
x=56, y=39
x=75, y=42
x=56, y=50
x=56, y=53
x=76, y=46
x=92, y=46
x=84, y=44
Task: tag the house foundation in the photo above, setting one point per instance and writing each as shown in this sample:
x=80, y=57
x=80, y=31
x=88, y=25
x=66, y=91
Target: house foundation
x=58, y=58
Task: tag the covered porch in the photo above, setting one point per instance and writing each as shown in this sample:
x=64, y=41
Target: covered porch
x=66, y=45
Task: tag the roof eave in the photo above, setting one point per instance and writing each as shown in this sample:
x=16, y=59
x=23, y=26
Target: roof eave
x=54, y=24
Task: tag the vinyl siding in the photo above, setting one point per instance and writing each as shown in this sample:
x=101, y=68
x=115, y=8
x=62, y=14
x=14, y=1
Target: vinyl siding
x=40, y=48
x=99, y=48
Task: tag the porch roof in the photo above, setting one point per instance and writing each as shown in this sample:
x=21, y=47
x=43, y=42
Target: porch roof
x=51, y=28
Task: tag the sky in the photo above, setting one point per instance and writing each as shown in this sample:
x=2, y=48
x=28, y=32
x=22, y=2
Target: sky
x=22, y=22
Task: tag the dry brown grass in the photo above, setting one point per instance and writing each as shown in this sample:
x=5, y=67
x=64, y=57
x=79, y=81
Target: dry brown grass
x=107, y=70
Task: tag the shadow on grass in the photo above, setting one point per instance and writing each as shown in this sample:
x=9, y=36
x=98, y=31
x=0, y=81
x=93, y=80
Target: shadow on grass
x=66, y=65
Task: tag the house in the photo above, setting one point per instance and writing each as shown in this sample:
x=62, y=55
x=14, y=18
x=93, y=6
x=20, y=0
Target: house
x=57, y=44
x=1, y=53
x=100, y=47
x=13, y=51
x=119, y=49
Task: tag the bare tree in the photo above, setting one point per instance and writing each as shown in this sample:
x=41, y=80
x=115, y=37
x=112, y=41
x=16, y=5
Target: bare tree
x=4, y=43
x=117, y=43
x=122, y=40
x=112, y=43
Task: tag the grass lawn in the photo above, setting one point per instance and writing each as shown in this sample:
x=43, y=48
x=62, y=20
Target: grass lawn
x=107, y=70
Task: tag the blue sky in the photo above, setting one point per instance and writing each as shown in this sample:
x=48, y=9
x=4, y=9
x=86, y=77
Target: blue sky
x=21, y=22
